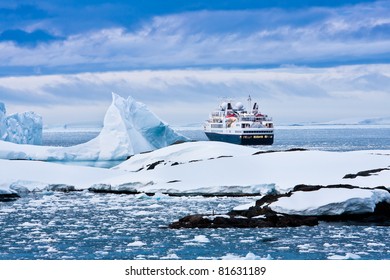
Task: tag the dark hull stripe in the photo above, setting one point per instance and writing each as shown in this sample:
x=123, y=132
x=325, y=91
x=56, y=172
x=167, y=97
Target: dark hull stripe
x=242, y=139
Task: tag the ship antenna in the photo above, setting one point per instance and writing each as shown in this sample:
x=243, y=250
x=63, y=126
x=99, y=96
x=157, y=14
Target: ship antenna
x=250, y=104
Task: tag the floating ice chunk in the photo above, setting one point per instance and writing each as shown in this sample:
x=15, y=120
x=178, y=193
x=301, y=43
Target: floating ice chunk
x=201, y=239
x=348, y=256
x=373, y=244
x=136, y=244
x=249, y=256
x=170, y=257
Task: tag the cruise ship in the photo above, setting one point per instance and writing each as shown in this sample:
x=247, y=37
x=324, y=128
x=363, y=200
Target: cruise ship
x=238, y=125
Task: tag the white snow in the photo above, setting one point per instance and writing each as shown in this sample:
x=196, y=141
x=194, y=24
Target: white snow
x=244, y=207
x=247, y=173
x=129, y=128
x=212, y=217
x=183, y=154
x=221, y=168
x=37, y=175
x=331, y=201
x=20, y=128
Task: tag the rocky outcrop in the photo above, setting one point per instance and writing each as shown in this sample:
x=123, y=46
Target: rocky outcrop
x=365, y=173
x=236, y=221
x=5, y=197
x=261, y=215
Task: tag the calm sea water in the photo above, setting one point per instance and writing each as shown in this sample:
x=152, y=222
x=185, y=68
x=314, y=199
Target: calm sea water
x=84, y=225
x=334, y=138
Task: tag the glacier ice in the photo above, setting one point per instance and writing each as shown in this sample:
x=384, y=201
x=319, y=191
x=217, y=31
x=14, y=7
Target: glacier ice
x=129, y=128
x=20, y=128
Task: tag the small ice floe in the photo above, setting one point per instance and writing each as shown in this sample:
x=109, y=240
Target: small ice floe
x=347, y=256
x=32, y=225
x=51, y=250
x=136, y=244
x=330, y=245
x=282, y=248
x=372, y=244
x=201, y=239
x=247, y=241
x=304, y=248
x=170, y=257
x=249, y=256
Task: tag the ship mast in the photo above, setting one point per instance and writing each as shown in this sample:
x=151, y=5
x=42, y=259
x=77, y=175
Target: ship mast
x=250, y=104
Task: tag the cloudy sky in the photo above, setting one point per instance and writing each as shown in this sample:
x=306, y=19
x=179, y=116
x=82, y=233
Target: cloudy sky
x=303, y=60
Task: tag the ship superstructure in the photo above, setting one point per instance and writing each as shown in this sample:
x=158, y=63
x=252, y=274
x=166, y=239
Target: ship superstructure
x=235, y=124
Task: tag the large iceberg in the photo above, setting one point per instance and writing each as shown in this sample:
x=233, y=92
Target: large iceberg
x=129, y=128
x=20, y=128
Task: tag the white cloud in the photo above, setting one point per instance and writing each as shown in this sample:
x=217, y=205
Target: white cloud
x=213, y=38
x=291, y=94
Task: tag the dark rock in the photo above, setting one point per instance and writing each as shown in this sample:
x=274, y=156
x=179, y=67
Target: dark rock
x=309, y=188
x=173, y=181
x=208, y=221
x=365, y=173
x=276, y=151
x=5, y=197
x=261, y=215
x=153, y=165
x=61, y=188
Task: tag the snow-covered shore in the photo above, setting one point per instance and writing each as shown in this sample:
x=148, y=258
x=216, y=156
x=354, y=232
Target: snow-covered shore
x=215, y=168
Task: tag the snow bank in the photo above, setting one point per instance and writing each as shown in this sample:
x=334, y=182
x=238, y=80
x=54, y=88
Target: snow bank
x=21, y=128
x=186, y=168
x=129, y=128
x=216, y=168
x=331, y=201
x=23, y=176
x=183, y=154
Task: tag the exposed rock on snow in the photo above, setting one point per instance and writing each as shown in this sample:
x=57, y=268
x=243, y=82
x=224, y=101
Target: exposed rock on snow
x=364, y=173
x=129, y=128
x=240, y=170
x=20, y=128
x=184, y=154
x=303, y=206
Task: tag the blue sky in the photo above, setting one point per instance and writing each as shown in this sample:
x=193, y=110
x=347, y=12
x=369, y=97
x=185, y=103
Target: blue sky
x=57, y=55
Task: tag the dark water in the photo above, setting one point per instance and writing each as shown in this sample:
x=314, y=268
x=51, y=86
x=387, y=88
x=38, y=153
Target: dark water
x=96, y=226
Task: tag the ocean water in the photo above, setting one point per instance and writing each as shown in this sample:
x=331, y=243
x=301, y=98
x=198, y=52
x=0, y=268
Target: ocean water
x=85, y=225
